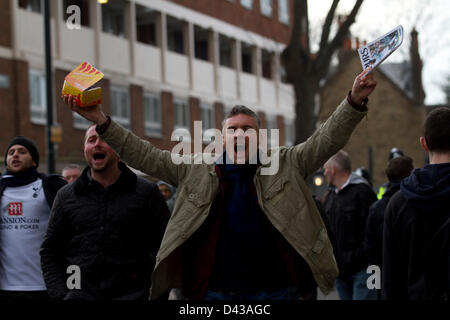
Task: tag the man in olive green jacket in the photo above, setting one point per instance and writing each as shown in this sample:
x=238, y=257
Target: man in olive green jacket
x=288, y=216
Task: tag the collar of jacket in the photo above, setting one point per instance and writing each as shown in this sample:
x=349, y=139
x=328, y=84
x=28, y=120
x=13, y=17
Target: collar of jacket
x=221, y=163
x=127, y=179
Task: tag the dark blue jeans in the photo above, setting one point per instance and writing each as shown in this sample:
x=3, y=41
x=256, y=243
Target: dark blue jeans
x=355, y=287
x=261, y=295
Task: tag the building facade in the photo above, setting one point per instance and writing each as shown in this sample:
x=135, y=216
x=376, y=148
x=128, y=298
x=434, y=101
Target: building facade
x=166, y=65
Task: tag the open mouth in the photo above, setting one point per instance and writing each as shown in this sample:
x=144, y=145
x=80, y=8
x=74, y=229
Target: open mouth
x=99, y=156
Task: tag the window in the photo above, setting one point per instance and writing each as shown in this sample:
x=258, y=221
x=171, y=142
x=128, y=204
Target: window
x=207, y=111
x=31, y=5
x=182, y=116
x=266, y=61
x=208, y=120
x=120, y=106
x=146, y=25
x=271, y=124
x=84, y=8
x=79, y=122
x=201, y=38
x=38, y=97
x=247, y=58
x=247, y=3
x=113, y=18
x=225, y=51
x=289, y=127
x=152, y=114
x=175, y=35
x=266, y=7
x=283, y=11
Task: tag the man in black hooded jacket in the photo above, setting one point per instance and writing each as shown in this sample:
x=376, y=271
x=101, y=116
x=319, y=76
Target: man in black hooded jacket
x=415, y=236
x=109, y=224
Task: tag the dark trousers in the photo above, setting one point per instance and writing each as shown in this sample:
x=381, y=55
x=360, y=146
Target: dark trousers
x=23, y=295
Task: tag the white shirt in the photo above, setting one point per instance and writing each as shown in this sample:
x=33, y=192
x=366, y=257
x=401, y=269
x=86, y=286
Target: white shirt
x=23, y=223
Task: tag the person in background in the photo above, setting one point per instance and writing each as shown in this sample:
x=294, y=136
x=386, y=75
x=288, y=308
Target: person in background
x=109, y=223
x=168, y=191
x=416, y=247
x=397, y=169
x=347, y=210
x=71, y=172
x=26, y=197
x=394, y=153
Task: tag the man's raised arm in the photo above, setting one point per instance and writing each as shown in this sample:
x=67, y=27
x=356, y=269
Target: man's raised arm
x=335, y=132
x=136, y=152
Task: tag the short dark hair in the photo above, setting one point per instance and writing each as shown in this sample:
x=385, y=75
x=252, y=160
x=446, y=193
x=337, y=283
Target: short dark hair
x=240, y=109
x=399, y=168
x=437, y=130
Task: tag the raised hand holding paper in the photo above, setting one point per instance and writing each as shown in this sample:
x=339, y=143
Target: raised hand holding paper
x=78, y=82
x=374, y=53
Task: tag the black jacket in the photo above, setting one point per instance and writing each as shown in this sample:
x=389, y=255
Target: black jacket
x=112, y=234
x=373, y=242
x=415, y=247
x=51, y=183
x=347, y=215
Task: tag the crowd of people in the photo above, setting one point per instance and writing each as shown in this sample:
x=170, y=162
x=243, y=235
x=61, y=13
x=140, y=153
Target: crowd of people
x=225, y=231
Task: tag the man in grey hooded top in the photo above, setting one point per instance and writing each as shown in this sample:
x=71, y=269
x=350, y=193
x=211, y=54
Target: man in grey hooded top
x=347, y=209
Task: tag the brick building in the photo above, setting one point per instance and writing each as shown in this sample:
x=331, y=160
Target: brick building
x=396, y=113
x=166, y=64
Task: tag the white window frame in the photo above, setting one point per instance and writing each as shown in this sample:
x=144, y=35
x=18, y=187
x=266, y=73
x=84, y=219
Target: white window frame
x=38, y=111
x=266, y=7
x=122, y=120
x=176, y=103
x=283, y=17
x=247, y=4
x=152, y=128
x=184, y=128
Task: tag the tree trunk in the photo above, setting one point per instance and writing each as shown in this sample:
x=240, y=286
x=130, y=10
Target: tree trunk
x=305, y=121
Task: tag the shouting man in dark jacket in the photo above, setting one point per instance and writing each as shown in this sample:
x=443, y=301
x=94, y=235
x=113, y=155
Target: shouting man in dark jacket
x=26, y=197
x=416, y=225
x=109, y=223
x=346, y=210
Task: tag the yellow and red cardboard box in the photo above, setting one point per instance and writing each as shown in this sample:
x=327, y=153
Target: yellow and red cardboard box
x=79, y=82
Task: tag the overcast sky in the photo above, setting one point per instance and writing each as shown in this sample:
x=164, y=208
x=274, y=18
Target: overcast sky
x=376, y=17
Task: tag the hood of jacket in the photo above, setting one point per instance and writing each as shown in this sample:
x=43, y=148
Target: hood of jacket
x=428, y=187
x=353, y=179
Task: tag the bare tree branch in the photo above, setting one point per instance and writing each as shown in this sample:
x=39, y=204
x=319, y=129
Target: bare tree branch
x=323, y=61
x=327, y=25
